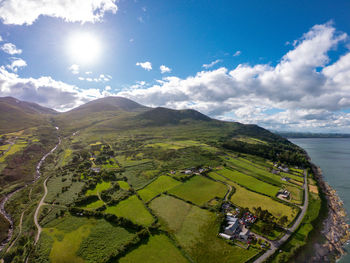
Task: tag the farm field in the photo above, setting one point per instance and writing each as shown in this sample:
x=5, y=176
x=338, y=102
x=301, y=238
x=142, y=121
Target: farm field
x=199, y=190
x=297, y=194
x=123, y=185
x=262, y=174
x=77, y=239
x=250, y=182
x=196, y=230
x=158, y=249
x=99, y=188
x=94, y=205
x=103, y=240
x=160, y=185
x=132, y=209
x=245, y=198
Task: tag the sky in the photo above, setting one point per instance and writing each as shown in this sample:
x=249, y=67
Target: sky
x=284, y=65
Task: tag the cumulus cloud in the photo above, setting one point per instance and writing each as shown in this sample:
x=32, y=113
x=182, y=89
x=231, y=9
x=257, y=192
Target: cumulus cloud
x=164, y=69
x=145, y=65
x=20, y=12
x=16, y=63
x=237, y=53
x=11, y=49
x=305, y=85
x=46, y=91
x=74, y=69
x=210, y=65
x=100, y=78
x=0, y=39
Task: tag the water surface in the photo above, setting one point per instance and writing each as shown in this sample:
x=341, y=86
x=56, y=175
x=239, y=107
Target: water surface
x=333, y=156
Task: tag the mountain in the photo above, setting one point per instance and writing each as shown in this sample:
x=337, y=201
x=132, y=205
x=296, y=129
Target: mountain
x=18, y=115
x=163, y=116
x=109, y=104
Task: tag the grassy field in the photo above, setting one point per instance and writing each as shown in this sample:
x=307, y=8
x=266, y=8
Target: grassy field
x=245, y=198
x=160, y=185
x=94, y=205
x=250, y=182
x=55, y=194
x=99, y=188
x=159, y=249
x=123, y=185
x=297, y=194
x=196, y=230
x=67, y=235
x=14, y=149
x=136, y=174
x=274, y=234
x=199, y=190
x=262, y=174
x=102, y=241
x=132, y=209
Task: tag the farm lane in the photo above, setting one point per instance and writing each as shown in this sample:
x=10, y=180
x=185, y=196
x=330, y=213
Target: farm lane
x=276, y=244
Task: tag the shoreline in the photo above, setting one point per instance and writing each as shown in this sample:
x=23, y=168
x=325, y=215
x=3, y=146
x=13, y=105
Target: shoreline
x=335, y=228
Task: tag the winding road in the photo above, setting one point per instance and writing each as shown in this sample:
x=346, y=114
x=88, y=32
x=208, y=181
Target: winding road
x=7, y=197
x=274, y=245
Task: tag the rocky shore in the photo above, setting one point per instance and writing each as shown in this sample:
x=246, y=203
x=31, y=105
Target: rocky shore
x=335, y=228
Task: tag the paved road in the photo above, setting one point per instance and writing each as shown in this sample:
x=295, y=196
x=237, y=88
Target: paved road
x=276, y=244
x=37, y=213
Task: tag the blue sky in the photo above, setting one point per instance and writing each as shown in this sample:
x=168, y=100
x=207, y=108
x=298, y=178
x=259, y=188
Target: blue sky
x=280, y=64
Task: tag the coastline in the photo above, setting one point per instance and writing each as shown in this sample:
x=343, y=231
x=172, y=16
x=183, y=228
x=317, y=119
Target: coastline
x=335, y=229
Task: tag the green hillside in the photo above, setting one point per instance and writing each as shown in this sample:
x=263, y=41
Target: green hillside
x=126, y=177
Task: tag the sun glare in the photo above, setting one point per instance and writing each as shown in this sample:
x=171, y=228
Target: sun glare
x=84, y=48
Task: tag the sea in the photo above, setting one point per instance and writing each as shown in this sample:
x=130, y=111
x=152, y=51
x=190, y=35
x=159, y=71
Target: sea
x=332, y=155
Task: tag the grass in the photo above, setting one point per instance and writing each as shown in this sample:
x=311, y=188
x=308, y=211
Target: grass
x=132, y=209
x=196, y=230
x=67, y=235
x=160, y=185
x=55, y=193
x=123, y=185
x=102, y=241
x=245, y=198
x=14, y=149
x=274, y=234
x=94, y=205
x=99, y=188
x=199, y=190
x=260, y=173
x=250, y=182
x=158, y=249
x=136, y=176
x=66, y=156
x=297, y=194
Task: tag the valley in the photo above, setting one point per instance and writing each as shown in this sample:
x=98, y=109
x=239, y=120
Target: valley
x=120, y=182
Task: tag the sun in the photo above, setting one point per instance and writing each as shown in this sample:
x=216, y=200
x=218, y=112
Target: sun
x=84, y=48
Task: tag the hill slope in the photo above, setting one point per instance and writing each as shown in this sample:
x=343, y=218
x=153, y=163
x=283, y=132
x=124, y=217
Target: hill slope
x=17, y=115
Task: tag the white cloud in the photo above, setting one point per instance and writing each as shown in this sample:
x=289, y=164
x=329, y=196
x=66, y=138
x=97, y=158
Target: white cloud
x=74, y=69
x=46, y=91
x=306, y=86
x=88, y=72
x=100, y=78
x=145, y=65
x=237, y=53
x=16, y=63
x=20, y=12
x=11, y=49
x=0, y=38
x=164, y=69
x=210, y=65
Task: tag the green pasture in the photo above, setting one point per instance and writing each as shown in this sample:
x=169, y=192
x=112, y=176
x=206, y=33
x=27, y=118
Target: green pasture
x=160, y=185
x=199, y=190
x=132, y=209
